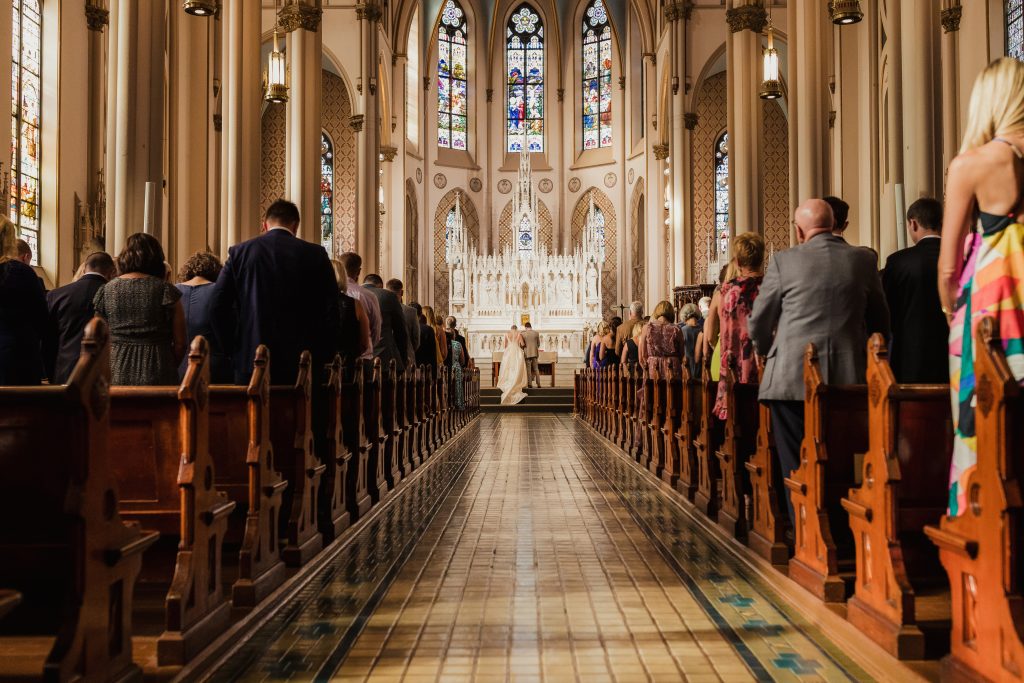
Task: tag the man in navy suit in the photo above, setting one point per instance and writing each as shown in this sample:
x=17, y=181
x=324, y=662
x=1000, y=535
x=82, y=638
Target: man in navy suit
x=278, y=290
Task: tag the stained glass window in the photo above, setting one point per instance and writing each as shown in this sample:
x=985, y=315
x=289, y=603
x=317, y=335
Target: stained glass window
x=326, y=193
x=1015, y=28
x=525, y=235
x=525, y=67
x=722, y=193
x=597, y=77
x=26, y=93
x=449, y=223
x=452, y=85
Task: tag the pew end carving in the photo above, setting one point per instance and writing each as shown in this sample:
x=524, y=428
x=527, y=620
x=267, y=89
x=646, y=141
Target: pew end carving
x=333, y=453
x=767, y=535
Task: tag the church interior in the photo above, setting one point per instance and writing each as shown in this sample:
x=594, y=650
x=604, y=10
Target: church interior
x=575, y=168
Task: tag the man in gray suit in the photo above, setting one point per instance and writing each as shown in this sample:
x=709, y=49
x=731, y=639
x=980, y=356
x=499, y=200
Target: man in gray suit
x=532, y=350
x=412, y=321
x=392, y=323
x=822, y=292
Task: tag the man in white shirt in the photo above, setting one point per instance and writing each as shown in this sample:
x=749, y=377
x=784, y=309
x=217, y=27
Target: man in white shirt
x=353, y=264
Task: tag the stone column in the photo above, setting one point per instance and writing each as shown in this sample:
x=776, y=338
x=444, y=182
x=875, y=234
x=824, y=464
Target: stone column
x=950, y=19
x=241, y=142
x=679, y=152
x=300, y=19
x=808, y=106
x=368, y=213
x=97, y=17
x=922, y=106
x=746, y=19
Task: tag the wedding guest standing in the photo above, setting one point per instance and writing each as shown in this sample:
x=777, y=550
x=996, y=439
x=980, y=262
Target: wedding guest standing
x=353, y=323
x=661, y=343
x=22, y=314
x=70, y=309
x=195, y=282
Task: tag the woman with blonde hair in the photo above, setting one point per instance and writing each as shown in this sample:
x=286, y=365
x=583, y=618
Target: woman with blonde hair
x=981, y=262
x=353, y=323
x=23, y=314
x=440, y=338
x=602, y=346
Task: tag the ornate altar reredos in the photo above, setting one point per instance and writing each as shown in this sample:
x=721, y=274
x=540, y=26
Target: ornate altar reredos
x=560, y=294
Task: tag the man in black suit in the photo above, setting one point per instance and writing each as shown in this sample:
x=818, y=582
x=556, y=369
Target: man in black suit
x=393, y=336
x=426, y=352
x=412, y=321
x=919, y=350
x=278, y=290
x=70, y=308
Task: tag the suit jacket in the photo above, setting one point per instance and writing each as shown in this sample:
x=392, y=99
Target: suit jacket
x=622, y=333
x=412, y=333
x=280, y=291
x=824, y=292
x=532, y=339
x=919, y=348
x=426, y=352
x=393, y=335
x=70, y=309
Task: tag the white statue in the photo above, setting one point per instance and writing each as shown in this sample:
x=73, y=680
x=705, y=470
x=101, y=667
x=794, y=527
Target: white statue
x=564, y=292
x=591, y=281
x=459, y=280
x=490, y=293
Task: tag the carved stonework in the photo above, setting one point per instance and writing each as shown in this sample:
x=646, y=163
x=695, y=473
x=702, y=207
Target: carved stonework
x=490, y=94
x=504, y=186
x=356, y=122
x=950, y=18
x=622, y=82
x=369, y=11
x=574, y=184
x=832, y=119
x=293, y=17
x=388, y=152
x=440, y=180
x=426, y=82
x=96, y=18
x=631, y=176
x=661, y=151
x=690, y=120
x=675, y=11
x=560, y=94
x=419, y=175
x=545, y=185
x=218, y=122
x=610, y=179
x=476, y=184
x=749, y=17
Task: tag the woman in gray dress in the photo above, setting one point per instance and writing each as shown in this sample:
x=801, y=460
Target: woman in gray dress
x=146, y=319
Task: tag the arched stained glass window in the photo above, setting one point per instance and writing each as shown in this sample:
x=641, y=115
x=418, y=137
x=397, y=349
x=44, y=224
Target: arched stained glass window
x=722, y=193
x=26, y=76
x=599, y=226
x=597, y=77
x=525, y=67
x=525, y=239
x=326, y=193
x=1015, y=28
x=449, y=223
x=452, y=83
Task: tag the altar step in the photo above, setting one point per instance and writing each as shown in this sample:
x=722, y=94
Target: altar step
x=544, y=400
x=563, y=375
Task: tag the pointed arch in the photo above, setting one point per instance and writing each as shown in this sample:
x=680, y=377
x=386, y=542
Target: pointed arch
x=471, y=224
x=545, y=226
x=638, y=246
x=609, y=274
x=524, y=77
x=452, y=77
x=412, y=242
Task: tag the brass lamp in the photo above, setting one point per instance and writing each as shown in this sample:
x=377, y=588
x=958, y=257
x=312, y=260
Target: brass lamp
x=200, y=8
x=845, y=12
x=771, y=85
x=275, y=78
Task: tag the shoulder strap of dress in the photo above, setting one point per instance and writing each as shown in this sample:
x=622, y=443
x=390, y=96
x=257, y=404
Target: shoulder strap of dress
x=1014, y=147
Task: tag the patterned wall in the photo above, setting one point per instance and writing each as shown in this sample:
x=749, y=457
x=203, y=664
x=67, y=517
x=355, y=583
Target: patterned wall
x=638, y=246
x=776, y=177
x=337, y=109
x=412, y=243
x=545, y=227
x=609, y=276
x=712, y=118
x=471, y=223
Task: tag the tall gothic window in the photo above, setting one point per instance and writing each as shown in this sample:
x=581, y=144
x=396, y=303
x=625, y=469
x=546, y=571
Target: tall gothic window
x=597, y=77
x=722, y=193
x=525, y=66
x=1015, y=28
x=449, y=223
x=452, y=86
x=326, y=192
x=27, y=91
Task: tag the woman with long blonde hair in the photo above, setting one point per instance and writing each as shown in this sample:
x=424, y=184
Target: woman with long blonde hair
x=981, y=263
x=440, y=338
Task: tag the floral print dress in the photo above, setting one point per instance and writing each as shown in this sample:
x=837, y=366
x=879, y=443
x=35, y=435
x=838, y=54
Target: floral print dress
x=737, y=301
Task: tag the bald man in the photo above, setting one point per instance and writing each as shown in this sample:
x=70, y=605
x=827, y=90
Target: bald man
x=824, y=292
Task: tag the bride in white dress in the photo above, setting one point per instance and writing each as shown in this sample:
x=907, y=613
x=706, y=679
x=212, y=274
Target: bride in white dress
x=512, y=376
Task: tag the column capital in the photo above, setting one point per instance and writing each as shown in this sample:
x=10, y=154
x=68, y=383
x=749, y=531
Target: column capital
x=681, y=9
x=389, y=152
x=369, y=11
x=355, y=122
x=950, y=18
x=489, y=92
x=295, y=16
x=661, y=151
x=690, y=120
x=96, y=17
x=752, y=17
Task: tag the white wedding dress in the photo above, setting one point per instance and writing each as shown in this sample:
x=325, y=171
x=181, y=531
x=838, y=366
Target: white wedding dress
x=512, y=376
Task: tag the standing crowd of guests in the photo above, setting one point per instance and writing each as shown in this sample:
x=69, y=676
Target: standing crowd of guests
x=275, y=289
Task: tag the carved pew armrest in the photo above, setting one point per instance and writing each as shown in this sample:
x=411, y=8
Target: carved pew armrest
x=312, y=472
x=857, y=510
x=279, y=487
x=796, y=486
x=752, y=468
x=218, y=511
x=111, y=556
x=952, y=541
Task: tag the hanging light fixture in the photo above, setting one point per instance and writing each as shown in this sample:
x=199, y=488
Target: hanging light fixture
x=200, y=8
x=771, y=85
x=275, y=78
x=845, y=12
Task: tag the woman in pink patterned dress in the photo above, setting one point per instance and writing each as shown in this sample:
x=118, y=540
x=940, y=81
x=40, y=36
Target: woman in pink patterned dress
x=737, y=300
x=661, y=343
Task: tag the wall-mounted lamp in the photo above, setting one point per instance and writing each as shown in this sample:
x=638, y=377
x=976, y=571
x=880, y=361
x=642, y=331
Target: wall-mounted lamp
x=771, y=86
x=200, y=8
x=845, y=12
x=275, y=78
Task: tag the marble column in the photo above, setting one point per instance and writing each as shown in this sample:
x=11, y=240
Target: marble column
x=746, y=19
x=679, y=152
x=97, y=17
x=300, y=19
x=368, y=210
x=951, y=133
x=808, y=104
x=922, y=106
x=240, y=137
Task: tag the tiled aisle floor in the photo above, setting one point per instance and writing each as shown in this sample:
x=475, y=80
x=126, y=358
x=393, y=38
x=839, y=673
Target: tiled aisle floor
x=549, y=558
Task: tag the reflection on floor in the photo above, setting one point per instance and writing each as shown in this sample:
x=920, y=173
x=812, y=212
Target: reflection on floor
x=529, y=551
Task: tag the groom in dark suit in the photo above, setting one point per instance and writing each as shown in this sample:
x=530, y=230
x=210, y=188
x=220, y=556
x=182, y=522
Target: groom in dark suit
x=278, y=290
x=919, y=349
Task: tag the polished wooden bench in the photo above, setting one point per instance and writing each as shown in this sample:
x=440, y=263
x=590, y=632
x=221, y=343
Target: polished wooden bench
x=655, y=459
x=687, y=432
x=357, y=493
x=390, y=429
x=767, y=527
x=901, y=595
x=71, y=557
x=669, y=429
x=981, y=548
x=160, y=457
x=333, y=452
x=709, y=438
x=835, y=431
x=739, y=441
x=373, y=422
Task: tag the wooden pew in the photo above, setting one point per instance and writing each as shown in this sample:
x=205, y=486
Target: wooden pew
x=357, y=493
x=622, y=400
x=332, y=451
x=390, y=430
x=636, y=445
x=686, y=434
x=739, y=441
x=669, y=429
x=706, y=445
x=404, y=423
x=767, y=534
x=373, y=422
x=656, y=442
x=160, y=456
x=244, y=461
x=419, y=410
x=981, y=548
x=70, y=555
x=835, y=430
x=9, y=599
x=900, y=589
x=291, y=433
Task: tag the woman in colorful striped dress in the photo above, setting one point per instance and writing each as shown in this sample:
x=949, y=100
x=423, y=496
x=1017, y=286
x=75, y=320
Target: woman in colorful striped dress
x=981, y=266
